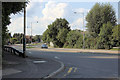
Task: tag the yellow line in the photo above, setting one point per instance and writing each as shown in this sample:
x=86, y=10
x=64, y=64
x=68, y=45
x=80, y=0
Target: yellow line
x=75, y=69
x=65, y=75
x=69, y=71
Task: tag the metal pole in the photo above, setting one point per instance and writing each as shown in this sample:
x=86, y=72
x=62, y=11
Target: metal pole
x=83, y=33
x=31, y=32
x=24, y=36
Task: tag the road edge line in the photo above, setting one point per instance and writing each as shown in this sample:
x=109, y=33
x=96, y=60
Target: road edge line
x=57, y=71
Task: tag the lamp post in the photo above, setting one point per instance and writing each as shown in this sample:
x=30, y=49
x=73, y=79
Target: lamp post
x=24, y=36
x=31, y=31
x=83, y=28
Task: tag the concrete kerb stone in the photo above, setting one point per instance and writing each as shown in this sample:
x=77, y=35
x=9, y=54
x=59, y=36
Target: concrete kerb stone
x=57, y=71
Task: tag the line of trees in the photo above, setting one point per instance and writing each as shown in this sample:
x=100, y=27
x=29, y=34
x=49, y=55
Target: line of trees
x=102, y=31
x=17, y=38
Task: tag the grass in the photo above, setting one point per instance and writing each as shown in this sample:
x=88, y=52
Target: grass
x=30, y=47
x=35, y=44
x=115, y=49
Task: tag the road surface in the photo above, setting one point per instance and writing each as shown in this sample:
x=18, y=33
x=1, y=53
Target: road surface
x=81, y=65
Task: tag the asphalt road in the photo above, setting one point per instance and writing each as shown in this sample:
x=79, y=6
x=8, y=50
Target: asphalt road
x=82, y=65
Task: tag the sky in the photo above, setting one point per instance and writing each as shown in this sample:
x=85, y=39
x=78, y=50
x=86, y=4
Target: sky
x=42, y=13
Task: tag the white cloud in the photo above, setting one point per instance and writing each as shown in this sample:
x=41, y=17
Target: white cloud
x=50, y=12
x=82, y=10
x=16, y=25
x=53, y=10
x=77, y=24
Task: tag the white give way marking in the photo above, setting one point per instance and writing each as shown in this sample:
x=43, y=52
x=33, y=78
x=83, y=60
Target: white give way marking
x=56, y=57
x=39, y=61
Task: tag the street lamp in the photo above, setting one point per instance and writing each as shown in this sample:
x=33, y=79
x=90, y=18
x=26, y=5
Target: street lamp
x=31, y=30
x=83, y=28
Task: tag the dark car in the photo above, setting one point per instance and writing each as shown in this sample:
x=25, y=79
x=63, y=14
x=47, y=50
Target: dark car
x=44, y=46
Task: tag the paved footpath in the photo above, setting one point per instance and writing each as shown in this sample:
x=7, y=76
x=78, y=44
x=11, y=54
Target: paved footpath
x=30, y=67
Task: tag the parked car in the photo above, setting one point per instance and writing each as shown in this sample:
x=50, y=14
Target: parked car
x=44, y=46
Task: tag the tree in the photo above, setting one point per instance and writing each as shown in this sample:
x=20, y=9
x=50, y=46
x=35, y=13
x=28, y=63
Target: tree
x=74, y=39
x=19, y=37
x=13, y=40
x=9, y=8
x=100, y=14
x=104, y=39
x=116, y=36
x=62, y=35
x=45, y=37
x=90, y=42
x=37, y=38
x=57, y=32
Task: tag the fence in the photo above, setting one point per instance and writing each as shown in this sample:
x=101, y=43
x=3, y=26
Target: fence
x=13, y=51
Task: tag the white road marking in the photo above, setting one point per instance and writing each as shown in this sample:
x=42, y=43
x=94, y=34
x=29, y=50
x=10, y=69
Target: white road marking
x=56, y=57
x=29, y=52
x=10, y=71
x=39, y=61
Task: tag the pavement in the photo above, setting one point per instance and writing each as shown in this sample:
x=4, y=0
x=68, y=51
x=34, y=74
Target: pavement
x=30, y=67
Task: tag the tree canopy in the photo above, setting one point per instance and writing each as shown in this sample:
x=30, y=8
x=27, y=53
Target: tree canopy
x=100, y=14
x=116, y=36
x=74, y=39
x=9, y=8
x=104, y=40
x=57, y=32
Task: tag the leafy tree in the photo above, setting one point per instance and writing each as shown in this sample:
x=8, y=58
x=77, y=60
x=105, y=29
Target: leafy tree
x=9, y=8
x=74, y=39
x=90, y=42
x=57, y=32
x=100, y=14
x=116, y=36
x=13, y=40
x=19, y=37
x=45, y=37
x=104, y=40
x=62, y=35
x=37, y=38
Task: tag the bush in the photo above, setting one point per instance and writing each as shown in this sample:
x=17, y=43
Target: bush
x=18, y=42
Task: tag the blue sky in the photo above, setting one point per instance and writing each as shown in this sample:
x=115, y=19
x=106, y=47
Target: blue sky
x=46, y=12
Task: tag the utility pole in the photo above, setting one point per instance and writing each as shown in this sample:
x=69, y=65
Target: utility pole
x=31, y=29
x=83, y=33
x=83, y=29
x=24, y=36
x=31, y=32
